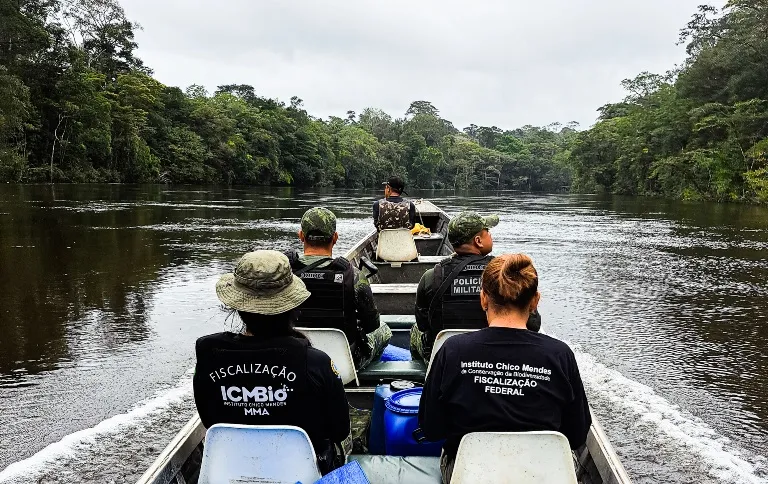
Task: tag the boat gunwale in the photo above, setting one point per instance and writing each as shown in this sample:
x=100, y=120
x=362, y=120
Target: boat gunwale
x=173, y=457
x=604, y=456
x=599, y=448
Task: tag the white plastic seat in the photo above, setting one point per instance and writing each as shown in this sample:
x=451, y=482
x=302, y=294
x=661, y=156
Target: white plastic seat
x=257, y=453
x=442, y=336
x=333, y=342
x=396, y=245
x=514, y=457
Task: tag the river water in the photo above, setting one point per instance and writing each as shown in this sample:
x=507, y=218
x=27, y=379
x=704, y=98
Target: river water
x=104, y=289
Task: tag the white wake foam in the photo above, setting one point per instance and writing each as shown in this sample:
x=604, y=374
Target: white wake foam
x=82, y=440
x=726, y=462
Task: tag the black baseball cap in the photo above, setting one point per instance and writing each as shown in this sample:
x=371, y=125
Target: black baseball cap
x=396, y=183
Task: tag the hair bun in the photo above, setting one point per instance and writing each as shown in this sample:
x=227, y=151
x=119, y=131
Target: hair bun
x=510, y=280
x=514, y=263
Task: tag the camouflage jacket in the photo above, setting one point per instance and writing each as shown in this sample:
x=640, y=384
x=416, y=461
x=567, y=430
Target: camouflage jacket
x=393, y=213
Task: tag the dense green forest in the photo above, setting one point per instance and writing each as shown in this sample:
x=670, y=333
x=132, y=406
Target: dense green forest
x=77, y=105
x=697, y=132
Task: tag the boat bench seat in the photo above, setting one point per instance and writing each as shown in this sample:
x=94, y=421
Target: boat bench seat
x=429, y=245
x=395, y=298
x=393, y=370
x=398, y=321
x=401, y=288
x=388, y=469
x=406, y=272
x=429, y=260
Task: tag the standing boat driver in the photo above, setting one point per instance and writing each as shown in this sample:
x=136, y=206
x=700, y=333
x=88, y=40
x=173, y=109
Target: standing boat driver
x=503, y=378
x=341, y=295
x=393, y=211
x=448, y=296
x=268, y=374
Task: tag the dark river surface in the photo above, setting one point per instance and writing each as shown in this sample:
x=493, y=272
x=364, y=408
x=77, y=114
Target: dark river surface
x=104, y=289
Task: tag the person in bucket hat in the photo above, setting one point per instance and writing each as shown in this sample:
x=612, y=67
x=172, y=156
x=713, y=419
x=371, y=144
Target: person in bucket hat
x=393, y=211
x=341, y=295
x=268, y=374
x=262, y=283
x=448, y=296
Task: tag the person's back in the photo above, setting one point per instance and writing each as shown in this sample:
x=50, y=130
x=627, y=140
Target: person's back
x=331, y=283
x=448, y=296
x=393, y=211
x=504, y=377
x=336, y=303
x=269, y=381
x=341, y=296
x=455, y=302
x=501, y=379
x=269, y=374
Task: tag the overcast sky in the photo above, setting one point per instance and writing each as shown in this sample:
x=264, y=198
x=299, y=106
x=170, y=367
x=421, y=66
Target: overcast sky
x=490, y=62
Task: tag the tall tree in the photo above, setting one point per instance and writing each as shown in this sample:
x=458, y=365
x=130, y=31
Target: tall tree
x=422, y=107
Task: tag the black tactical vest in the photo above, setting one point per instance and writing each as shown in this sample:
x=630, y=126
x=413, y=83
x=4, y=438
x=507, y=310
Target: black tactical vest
x=456, y=304
x=257, y=384
x=332, y=300
x=458, y=298
x=394, y=215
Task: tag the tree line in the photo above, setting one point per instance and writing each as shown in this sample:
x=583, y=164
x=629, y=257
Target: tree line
x=77, y=105
x=699, y=131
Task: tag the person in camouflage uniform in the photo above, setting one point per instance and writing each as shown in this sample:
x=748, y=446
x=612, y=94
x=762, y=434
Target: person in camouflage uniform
x=448, y=296
x=393, y=211
x=341, y=293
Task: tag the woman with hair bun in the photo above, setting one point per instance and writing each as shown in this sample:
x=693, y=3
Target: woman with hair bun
x=503, y=378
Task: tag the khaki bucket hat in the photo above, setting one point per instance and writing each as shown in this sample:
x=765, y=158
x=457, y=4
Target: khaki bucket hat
x=262, y=283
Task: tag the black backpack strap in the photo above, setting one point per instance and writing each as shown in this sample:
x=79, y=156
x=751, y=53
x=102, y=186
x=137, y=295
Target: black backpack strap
x=293, y=257
x=447, y=282
x=342, y=262
x=438, y=272
x=312, y=266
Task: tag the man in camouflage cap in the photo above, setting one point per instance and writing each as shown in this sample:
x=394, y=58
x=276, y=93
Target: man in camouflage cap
x=466, y=225
x=318, y=225
x=341, y=295
x=448, y=296
x=393, y=211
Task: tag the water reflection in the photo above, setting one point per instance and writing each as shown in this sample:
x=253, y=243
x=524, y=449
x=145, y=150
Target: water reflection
x=673, y=296
x=110, y=285
x=55, y=270
x=77, y=263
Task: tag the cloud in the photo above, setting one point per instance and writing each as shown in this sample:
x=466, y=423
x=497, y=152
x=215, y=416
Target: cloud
x=492, y=62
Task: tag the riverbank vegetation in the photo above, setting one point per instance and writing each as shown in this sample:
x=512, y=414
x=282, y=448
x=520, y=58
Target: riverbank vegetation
x=697, y=132
x=77, y=105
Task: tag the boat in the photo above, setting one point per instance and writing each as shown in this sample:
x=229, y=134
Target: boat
x=394, y=288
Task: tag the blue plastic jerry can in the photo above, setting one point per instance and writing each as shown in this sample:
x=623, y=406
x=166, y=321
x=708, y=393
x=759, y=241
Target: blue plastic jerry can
x=401, y=420
x=376, y=445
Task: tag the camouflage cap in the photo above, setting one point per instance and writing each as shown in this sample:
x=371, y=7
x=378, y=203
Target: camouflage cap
x=262, y=283
x=318, y=224
x=466, y=225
